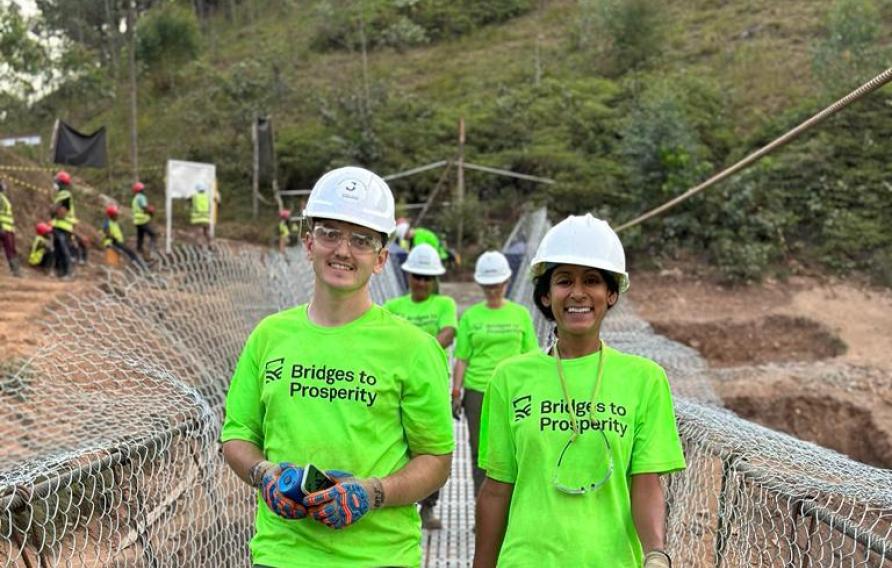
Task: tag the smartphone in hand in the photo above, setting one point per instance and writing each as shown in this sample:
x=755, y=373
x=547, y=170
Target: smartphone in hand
x=315, y=480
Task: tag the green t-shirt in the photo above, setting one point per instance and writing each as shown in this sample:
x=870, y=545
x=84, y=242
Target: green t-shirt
x=524, y=428
x=426, y=236
x=363, y=398
x=487, y=336
x=432, y=315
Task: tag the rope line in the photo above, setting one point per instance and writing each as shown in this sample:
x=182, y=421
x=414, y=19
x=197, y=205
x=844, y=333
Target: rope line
x=19, y=182
x=791, y=135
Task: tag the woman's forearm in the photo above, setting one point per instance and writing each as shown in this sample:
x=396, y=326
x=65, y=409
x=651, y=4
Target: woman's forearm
x=649, y=511
x=493, y=503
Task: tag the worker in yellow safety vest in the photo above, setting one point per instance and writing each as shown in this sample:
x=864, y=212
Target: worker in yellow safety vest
x=68, y=245
x=113, y=236
x=283, y=232
x=201, y=211
x=142, y=218
x=7, y=232
x=42, y=255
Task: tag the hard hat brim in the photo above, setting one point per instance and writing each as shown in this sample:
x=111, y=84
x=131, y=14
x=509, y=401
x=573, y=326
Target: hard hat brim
x=490, y=280
x=347, y=218
x=423, y=271
x=541, y=267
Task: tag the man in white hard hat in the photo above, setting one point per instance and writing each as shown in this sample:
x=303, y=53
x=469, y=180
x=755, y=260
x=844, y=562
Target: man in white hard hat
x=346, y=386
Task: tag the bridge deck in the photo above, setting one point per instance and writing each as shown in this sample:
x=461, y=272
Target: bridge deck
x=453, y=545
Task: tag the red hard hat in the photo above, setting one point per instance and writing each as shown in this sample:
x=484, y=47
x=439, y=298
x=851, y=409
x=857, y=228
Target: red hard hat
x=138, y=186
x=63, y=178
x=111, y=210
x=285, y=214
x=43, y=229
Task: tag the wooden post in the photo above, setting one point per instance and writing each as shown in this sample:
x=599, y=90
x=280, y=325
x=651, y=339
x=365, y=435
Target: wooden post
x=275, y=165
x=131, y=30
x=255, y=186
x=460, y=186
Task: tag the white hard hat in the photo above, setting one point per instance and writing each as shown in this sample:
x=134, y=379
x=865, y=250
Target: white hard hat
x=401, y=229
x=424, y=260
x=492, y=268
x=200, y=186
x=354, y=195
x=584, y=241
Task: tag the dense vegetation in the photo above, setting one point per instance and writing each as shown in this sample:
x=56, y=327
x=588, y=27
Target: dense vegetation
x=626, y=103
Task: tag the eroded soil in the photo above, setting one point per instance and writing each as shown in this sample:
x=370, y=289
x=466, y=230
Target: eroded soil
x=808, y=357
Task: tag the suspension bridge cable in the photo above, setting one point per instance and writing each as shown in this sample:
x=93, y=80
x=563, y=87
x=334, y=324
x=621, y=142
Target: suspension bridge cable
x=791, y=135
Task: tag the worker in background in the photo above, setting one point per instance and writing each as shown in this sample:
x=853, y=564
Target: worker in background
x=113, y=236
x=142, y=218
x=42, y=256
x=410, y=237
x=65, y=198
x=201, y=211
x=346, y=386
x=433, y=313
x=7, y=232
x=283, y=232
x=488, y=333
x=63, y=222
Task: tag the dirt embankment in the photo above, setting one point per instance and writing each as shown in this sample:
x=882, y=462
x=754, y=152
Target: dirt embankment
x=809, y=357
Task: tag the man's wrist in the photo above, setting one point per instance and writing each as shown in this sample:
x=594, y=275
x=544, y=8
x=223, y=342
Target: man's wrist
x=375, y=490
x=456, y=392
x=255, y=474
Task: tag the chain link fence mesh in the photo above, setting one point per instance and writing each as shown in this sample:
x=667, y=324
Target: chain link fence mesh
x=108, y=433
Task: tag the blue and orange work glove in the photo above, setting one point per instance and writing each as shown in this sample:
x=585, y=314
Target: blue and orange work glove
x=346, y=502
x=280, y=504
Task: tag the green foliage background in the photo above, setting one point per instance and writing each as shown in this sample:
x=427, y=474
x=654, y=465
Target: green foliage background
x=625, y=103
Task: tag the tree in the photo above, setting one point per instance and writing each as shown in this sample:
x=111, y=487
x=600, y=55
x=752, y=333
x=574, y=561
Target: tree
x=22, y=57
x=167, y=37
x=628, y=32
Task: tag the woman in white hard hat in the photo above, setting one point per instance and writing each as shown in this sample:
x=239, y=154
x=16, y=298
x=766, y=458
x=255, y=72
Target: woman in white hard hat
x=488, y=333
x=435, y=314
x=574, y=441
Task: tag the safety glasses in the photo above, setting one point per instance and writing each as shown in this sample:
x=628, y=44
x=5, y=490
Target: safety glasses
x=359, y=243
x=583, y=457
x=591, y=454
x=421, y=277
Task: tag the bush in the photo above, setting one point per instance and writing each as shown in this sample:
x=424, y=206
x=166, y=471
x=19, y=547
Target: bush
x=625, y=33
x=166, y=38
x=406, y=23
x=850, y=53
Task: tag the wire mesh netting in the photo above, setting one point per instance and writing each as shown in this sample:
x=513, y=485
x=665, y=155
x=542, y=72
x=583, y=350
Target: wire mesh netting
x=108, y=434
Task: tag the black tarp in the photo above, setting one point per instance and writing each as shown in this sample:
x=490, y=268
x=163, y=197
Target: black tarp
x=75, y=149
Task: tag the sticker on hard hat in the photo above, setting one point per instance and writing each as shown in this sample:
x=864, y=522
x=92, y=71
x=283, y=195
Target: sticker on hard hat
x=351, y=189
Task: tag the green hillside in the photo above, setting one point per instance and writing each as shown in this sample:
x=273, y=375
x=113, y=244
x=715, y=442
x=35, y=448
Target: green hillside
x=625, y=103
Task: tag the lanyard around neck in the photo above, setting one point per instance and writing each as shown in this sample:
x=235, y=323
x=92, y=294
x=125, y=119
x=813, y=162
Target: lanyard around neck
x=602, y=354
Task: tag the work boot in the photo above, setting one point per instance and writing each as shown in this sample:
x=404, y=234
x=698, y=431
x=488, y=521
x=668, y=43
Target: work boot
x=16, y=267
x=428, y=520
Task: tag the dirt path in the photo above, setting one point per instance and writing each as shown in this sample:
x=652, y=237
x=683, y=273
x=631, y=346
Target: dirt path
x=803, y=319
x=23, y=304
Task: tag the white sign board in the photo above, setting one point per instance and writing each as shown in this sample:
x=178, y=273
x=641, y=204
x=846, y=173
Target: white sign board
x=182, y=181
